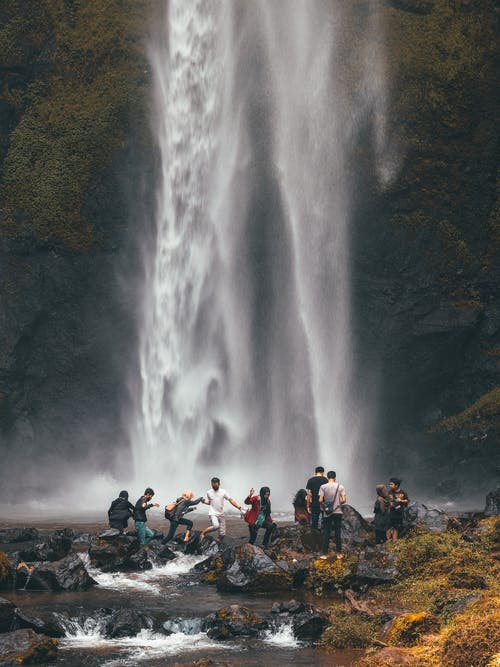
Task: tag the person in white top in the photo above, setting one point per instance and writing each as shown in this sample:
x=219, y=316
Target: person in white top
x=215, y=498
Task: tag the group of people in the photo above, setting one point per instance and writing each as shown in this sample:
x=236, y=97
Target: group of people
x=318, y=506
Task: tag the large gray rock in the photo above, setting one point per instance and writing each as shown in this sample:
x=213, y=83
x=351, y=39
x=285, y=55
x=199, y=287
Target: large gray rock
x=429, y=518
x=26, y=647
x=253, y=570
x=67, y=574
x=43, y=622
x=493, y=503
x=11, y=535
x=112, y=551
x=56, y=547
x=127, y=623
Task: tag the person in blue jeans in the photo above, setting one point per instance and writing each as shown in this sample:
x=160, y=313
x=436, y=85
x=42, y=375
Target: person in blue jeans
x=144, y=533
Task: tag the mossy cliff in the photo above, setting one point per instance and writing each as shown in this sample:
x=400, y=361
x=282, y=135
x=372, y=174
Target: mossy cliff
x=74, y=97
x=426, y=289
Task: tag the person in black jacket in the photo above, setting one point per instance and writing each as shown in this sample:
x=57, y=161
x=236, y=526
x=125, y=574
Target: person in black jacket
x=120, y=512
x=184, y=504
x=144, y=533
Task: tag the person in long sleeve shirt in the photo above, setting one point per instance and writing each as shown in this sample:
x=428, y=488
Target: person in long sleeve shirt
x=185, y=504
x=144, y=533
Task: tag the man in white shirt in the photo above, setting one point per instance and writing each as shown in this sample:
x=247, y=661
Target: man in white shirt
x=215, y=498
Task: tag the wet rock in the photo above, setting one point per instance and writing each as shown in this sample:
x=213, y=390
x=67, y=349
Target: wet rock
x=82, y=539
x=376, y=564
x=11, y=535
x=308, y=622
x=67, y=574
x=311, y=539
x=7, y=615
x=57, y=546
x=493, y=503
x=112, y=552
x=233, y=621
x=45, y=623
x=391, y=656
x=127, y=623
x=26, y=647
x=355, y=529
x=140, y=560
x=187, y=626
x=428, y=518
x=193, y=545
x=209, y=546
x=253, y=570
x=159, y=554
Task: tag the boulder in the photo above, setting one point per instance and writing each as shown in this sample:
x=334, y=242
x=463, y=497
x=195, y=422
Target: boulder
x=311, y=539
x=308, y=622
x=158, y=554
x=26, y=647
x=111, y=552
x=57, y=546
x=141, y=560
x=11, y=535
x=67, y=574
x=127, y=623
x=253, y=570
x=391, y=656
x=7, y=615
x=233, y=621
x=493, y=503
x=45, y=622
x=376, y=564
x=355, y=529
x=194, y=544
x=428, y=518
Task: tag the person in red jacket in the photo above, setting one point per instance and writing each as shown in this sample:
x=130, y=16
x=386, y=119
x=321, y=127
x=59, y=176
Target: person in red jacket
x=259, y=515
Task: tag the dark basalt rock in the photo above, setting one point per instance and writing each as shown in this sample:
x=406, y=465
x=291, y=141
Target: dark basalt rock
x=12, y=535
x=57, y=546
x=159, y=553
x=308, y=622
x=376, y=564
x=26, y=647
x=7, y=615
x=111, y=551
x=355, y=529
x=45, y=622
x=233, y=621
x=253, y=570
x=67, y=574
x=140, y=560
x=127, y=623
x=428, y=518
x=493, y=503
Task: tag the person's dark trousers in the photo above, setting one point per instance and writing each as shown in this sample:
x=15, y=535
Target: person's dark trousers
x=315, y=514
x=380, y=537
x=173, y=528
x=253, y=530
x=334, y=520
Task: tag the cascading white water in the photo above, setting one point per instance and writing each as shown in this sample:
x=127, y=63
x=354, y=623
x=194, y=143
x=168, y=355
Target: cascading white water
x=247, y=363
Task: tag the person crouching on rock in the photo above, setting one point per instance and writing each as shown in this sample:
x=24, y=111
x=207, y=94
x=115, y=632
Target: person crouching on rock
x=184, y=504
x=259, y=516
x=144, y=533
x=302, y=516
x=120, y=512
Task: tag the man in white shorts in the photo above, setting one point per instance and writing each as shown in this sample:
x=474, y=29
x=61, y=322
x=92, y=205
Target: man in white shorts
x=215, y=498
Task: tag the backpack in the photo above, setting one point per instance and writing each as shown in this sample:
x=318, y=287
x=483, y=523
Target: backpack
x=329, y=505
x=170, y=510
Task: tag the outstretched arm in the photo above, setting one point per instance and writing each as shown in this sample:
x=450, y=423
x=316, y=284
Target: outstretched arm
x=235, y=504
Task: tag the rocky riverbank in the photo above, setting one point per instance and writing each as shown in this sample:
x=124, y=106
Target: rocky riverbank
x=431, y=599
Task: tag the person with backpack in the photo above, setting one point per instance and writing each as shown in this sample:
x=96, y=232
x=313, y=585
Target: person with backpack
x=259, y=515
x=144, y=533
x=175, y=513
x=120, y=512
x=331, y=498
x=381, y=520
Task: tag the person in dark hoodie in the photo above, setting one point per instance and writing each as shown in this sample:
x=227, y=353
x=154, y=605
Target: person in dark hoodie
x=259, y=516
x=120, y=512
x=381, y=522
x=184, y=504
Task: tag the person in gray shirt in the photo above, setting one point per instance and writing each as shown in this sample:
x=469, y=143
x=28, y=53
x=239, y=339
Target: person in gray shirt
x=331, y=498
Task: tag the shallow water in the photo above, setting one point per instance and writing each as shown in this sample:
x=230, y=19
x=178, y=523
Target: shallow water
x=170, y=592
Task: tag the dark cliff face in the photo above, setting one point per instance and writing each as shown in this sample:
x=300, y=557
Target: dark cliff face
x=76, y=197
x=73, y=186
x=427, y=289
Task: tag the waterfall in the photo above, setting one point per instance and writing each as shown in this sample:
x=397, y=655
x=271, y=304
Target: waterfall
x=248, y=368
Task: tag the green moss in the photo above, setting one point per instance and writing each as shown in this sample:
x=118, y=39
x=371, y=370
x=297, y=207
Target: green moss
x=350, y=631
x=331, y=574
x=482, y=413
x=408, y=629
x=4, y=566
x=77, y=115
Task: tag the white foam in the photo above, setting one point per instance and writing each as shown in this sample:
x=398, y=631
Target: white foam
x=283, y=636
